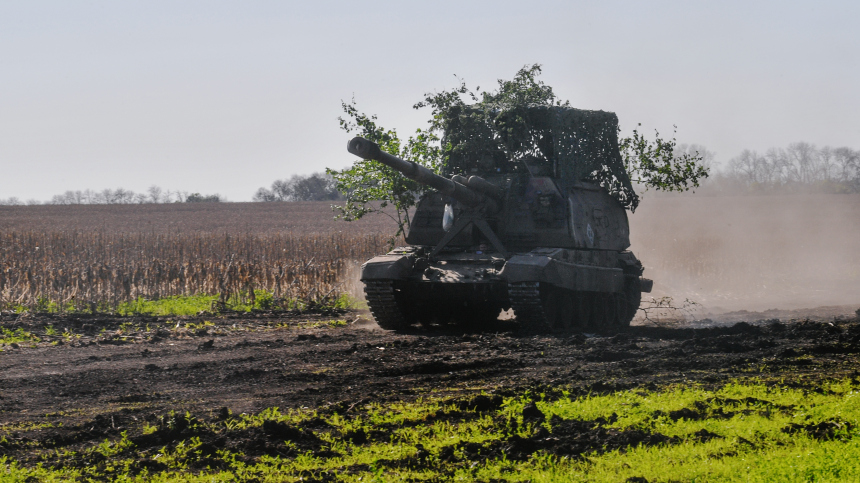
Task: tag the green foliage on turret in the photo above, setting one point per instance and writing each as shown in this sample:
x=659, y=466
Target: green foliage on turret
x=372, y=187
x=654, y=164
x=520, y=127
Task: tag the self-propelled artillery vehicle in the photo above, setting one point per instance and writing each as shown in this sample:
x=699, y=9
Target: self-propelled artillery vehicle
x=540, y=227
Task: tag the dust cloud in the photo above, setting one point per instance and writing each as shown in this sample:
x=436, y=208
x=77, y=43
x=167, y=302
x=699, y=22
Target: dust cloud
x=354, y=287
x=352, y=283
x=729, y=253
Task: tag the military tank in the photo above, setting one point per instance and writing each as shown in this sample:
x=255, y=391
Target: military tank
x=545, y=234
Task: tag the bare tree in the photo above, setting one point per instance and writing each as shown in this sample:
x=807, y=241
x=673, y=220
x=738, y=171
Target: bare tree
x=803, y=162
x=707, y=156
x=773, y=167
x=63, y=199
x=745, y=166
x=154, y=194
x=826, y=163
x=847, y=163
x=263, y=194
x=88, y=196
x=281, y=190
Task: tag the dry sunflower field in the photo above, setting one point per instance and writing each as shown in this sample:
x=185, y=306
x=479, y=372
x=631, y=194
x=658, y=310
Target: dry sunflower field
x=109, y=263
x=98, y=271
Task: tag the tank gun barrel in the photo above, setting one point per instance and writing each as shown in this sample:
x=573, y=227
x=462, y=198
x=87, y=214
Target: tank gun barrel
x=369, y=150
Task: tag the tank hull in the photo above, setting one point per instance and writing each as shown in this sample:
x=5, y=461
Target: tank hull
x=548, y=288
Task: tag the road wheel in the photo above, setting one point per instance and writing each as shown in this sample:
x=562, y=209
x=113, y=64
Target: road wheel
x=610, y=302
x=629, y=301
x=568, y=310
x=619, y=309
x=582, y=310
x=598, y=311
x=553, y=307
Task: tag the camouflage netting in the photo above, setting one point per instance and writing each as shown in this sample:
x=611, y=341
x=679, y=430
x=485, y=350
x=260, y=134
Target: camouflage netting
x=574, y=144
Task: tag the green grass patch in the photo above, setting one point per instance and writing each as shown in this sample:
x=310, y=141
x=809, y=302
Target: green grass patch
x=169, y=306
x=179, y=305
x=17, y=336
x=742, y=431
x=195, y=304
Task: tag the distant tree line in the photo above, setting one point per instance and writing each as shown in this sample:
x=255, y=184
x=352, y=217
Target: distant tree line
x=314, y=187
x=798, y=167
x=119, y=196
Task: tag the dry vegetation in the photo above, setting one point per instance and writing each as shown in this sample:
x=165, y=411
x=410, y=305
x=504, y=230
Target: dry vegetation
x=98, y=258
x=98, y=271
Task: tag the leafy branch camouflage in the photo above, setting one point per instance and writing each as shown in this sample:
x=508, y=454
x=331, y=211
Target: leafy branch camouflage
x=655, y=165
x=520, y=124
x=372, y=187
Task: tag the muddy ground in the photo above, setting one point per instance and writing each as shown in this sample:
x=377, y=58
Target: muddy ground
x=99, y=375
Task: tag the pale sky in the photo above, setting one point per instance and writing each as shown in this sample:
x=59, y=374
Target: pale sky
x=226, y=97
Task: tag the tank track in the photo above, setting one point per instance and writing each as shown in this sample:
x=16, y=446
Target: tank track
x=526, y=302
x=383, y=305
